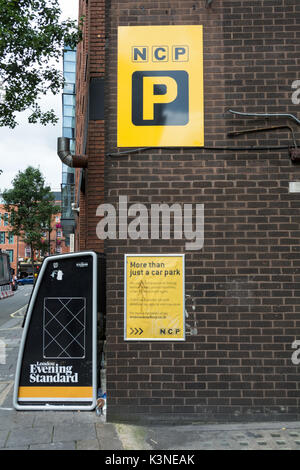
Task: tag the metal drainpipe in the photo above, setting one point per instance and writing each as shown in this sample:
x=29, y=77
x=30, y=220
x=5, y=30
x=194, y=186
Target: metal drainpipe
x=73, y=161
x=267, y=115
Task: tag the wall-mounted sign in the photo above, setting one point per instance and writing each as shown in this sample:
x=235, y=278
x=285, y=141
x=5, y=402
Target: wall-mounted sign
x=57, y=363
x=160, y=86
x=154, y=297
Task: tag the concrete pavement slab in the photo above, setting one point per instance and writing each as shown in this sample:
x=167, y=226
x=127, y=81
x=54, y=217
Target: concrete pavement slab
x=13, y=419
x=54, y=446
x=3, y=437
x=29, y=436
x=108, y=437
x=75, y=432
x=92, y=444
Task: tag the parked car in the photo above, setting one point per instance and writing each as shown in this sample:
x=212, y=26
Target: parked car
x=25, y=280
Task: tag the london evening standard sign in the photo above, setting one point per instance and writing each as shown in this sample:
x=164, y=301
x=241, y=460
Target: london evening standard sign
x=154, y=297
x=160, y=86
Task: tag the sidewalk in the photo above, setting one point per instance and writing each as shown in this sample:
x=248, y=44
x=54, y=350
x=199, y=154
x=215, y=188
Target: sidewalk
x=41, y=430
x=60, y=430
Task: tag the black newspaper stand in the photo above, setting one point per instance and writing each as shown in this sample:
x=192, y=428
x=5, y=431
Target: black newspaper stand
x=57, y=363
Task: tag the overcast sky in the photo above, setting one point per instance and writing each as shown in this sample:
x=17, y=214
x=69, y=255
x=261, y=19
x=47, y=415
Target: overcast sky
x=33, y=144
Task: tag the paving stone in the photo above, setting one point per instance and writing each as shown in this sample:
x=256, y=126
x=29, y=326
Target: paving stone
x=54, y=446
x=86, y=417
x=88, y=445
x=15, y=420
x=3, y=437
x=15, y=448
x=29, y=436
x=2, y=386
x=75, y=432
x=108, y=437
x=42, y=418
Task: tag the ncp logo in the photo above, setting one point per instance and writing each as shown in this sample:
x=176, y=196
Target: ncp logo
x=160, y=98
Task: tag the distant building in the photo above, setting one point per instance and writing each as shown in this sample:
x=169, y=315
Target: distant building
x=18, y=250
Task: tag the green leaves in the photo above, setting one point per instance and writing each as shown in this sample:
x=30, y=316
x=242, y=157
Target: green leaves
x=30, y=205
x=32, y=39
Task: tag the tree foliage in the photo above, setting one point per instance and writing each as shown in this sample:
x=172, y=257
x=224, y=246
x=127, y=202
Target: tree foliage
x=32, y=38
x=30, y=204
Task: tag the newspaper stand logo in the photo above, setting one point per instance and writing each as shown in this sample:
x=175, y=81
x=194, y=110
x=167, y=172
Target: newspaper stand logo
x=160, y=86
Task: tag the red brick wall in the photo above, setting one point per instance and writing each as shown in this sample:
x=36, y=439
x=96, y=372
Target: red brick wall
x=246, y=278
x=18, y=246
x=90, y=64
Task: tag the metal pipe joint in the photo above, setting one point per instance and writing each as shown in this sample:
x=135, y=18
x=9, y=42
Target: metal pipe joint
x=63, y=151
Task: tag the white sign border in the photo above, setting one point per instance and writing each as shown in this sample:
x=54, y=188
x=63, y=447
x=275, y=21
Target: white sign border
x=93, y=400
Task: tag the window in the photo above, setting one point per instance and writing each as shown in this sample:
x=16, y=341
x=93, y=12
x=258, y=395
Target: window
x=2, y=237
x=69, y=100
x=10, y=238
x=5, y=219
x=27, y=252
x=11, y=255
x=70, y=67
x=59, y=234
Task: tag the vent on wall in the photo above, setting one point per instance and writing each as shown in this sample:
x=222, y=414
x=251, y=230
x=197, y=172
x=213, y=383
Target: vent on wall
x=96, y=99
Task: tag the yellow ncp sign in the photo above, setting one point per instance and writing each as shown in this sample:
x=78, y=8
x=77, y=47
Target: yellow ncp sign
x=160, y=86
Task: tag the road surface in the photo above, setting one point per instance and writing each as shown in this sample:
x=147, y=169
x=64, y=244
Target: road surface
x=12, y=304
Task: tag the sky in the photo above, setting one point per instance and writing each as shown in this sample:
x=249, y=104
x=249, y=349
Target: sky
x=34, y=144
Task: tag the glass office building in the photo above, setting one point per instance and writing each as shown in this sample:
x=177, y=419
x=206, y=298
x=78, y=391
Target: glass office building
x=68, y=130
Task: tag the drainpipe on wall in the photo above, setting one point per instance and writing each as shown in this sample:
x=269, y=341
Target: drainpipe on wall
x=73, y=161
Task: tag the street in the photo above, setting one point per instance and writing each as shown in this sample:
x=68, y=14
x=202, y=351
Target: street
x=14, y=303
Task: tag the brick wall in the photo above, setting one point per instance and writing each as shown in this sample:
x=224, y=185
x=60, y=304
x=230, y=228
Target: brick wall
x=245, y=280
x=90, y=133
x=17, y=247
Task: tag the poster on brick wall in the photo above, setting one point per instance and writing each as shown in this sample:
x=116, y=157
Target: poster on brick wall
x=160, y=86
x=154, y=297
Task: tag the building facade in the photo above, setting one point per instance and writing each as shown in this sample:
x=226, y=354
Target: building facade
x=236, y=362
x=9, y=242
x=18, y=250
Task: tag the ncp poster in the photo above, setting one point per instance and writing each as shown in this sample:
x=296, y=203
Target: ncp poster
x=154, y=297
x=160, y=86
